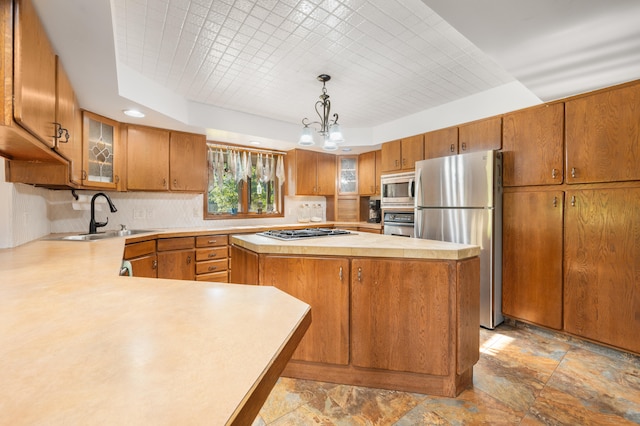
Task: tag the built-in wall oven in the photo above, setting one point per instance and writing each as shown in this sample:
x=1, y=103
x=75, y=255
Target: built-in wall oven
x=399, y=222
x=397, y=191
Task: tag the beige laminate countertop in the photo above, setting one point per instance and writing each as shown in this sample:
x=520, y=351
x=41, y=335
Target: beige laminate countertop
x=359, y=244
x=81, y=345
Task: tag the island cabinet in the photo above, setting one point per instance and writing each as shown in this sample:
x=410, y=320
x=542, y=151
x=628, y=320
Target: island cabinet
x=603, y=136
x=369, y=169
x=310, y=173
x=212, y=258
x=409, y=324
x=143, y=258
x=602, y=265
x=402, y=154
x=532, y=252
x=532, y=146
x=323, y=283
x=481, y=135
x=441, y=143
x=176, y=258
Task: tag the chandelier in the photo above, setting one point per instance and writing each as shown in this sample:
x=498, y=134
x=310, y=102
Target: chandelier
x=329, y=129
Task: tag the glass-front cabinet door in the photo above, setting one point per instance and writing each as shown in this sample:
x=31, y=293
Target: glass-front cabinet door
x=348, y=175
x=100, y=152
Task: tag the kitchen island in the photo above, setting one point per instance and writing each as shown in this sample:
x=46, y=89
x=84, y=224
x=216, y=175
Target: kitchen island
x=389, y=312
x=81, y=345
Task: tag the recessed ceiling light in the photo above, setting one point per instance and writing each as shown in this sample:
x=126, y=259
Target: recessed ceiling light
x=254, y=142
x=133, y=113
x=346, y=149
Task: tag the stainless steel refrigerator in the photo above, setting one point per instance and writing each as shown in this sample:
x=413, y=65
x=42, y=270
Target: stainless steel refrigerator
x=459, y=199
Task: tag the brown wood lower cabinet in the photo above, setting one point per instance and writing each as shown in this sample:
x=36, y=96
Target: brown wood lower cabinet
x=143, y=258
x=404, y=324
x=400, y=320
x=602, y=266
x=323, y=283
x=212, y=254
x=176, y=258
x=532, y=256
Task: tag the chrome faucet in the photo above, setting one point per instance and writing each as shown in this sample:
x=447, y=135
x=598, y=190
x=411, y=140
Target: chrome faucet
x=93, y=225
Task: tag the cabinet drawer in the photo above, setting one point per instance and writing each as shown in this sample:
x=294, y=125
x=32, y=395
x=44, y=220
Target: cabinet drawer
x=219, y=277
x=178, y=243
x=211, y=253
x=212, y=240
x=139, y=249
x=211, y=266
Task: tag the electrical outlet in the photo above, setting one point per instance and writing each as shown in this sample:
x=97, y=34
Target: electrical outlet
x=139, y=214
x=149, y=213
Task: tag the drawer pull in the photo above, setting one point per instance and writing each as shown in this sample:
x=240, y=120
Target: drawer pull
x=211, y=242
x=212, y=255
x=212, y=268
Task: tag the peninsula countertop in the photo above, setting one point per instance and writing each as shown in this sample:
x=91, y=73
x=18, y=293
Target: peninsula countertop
x=359, y=244
x=81, y=345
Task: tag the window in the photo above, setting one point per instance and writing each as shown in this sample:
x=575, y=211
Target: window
x=244, y=183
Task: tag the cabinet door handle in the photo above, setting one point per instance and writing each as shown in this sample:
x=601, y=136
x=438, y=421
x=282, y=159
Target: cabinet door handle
x=464, y=146
x=84, y=175
x=188, y=260
x=212, y=255
x=212, y=268
x=555, y=201
x=164, y=182
x=340, y=273
x=573, y=201
x=573, y=172
x=554, y=173
x=117, y=179
x=360, y=274
x=154, y=265
x=452, y=148
x=404, y=161
x=175, y=182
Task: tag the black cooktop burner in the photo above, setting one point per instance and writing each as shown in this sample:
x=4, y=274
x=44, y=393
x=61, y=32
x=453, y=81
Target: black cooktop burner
x=295, y=234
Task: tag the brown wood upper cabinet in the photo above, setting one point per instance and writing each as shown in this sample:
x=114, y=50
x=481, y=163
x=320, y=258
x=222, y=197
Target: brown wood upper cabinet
x=402, y=154
x=162, y=160
x=187, y=162
x=310, y=173
x=347, y=174
x=369, y=168
x=34, y=88
x=481, y=135
x=441, y=143
x=147, y=158
x=101, y=152
x=532, y=144
x=69, y=119
x=603, y=136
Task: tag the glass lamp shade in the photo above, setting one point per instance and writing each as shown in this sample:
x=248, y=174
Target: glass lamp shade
x=306, y=137
x=329, y=145
x=335, y=134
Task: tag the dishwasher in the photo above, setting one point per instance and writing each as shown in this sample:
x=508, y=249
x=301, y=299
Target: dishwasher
x=398, y=223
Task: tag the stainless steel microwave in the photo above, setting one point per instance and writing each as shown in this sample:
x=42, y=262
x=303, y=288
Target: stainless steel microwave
x=397, y=190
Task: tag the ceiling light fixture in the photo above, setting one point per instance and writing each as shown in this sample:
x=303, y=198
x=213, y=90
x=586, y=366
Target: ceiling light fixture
x=329, y=130
x=133, y=113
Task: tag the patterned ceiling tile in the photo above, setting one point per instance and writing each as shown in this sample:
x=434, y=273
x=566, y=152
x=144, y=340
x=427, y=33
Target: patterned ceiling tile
x=387, y=58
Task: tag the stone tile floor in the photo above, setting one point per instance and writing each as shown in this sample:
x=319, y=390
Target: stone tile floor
x=525, y=376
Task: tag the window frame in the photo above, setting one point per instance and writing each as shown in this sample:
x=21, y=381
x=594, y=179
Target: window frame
x=246, y=188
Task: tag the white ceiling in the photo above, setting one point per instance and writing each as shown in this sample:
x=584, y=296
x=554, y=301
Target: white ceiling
x=246, y=70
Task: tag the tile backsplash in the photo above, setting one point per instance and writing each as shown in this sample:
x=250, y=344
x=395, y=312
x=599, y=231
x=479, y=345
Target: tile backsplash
x=37, y=212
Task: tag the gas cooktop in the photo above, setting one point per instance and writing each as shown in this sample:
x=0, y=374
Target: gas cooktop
x=296, y=234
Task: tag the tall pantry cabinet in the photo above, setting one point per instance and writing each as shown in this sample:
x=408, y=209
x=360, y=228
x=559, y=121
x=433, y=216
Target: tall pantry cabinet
x=571, y=240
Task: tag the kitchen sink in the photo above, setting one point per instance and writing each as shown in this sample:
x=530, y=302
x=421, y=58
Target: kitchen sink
x=103, y=235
